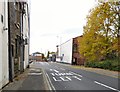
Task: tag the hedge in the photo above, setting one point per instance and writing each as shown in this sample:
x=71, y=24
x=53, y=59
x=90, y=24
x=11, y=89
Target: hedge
x=113, y=64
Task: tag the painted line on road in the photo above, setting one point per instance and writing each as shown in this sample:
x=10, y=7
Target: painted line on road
x=56, y=71
x=106, y=86
x=36, y=70
x=63, y=79
x=77, y=78
x=53, y=74
x=34, y=73
x=53, y=88
x=76, y=74
x=68, y=78
x=56, y=79
x=51, y=69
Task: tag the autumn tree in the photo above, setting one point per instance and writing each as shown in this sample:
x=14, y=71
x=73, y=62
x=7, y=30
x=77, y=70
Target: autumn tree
x=100, y=37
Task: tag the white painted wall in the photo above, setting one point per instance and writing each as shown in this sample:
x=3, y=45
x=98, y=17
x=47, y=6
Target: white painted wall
x=66, y=51
x=1, y=26
x=4, y=71
x=25, y=35
x=5, y=74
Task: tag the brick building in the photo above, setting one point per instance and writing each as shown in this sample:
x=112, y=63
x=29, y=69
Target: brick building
x=69, y=52
x=76, y=57
x=37, y=56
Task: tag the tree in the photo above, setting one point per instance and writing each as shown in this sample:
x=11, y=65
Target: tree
x=101, y=32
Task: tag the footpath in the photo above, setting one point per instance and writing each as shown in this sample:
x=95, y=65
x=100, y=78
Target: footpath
x=32, y=79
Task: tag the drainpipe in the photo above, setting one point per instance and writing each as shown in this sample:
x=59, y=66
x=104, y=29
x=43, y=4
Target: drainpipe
x=28, y=14
x=21, y=44
x=9, y=49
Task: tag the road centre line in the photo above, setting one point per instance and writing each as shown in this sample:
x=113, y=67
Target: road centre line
x=106, y=86
x=76, y=74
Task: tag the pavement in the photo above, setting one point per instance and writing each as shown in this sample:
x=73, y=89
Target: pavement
x=31, y=79
x=46, y=76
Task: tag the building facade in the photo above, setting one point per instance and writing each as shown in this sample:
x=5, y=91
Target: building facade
x=4, y=70
x=37, y=56
x=18, y=15
x=69, y=52
x=77, y=58
x=14, y=39
x=66, y=51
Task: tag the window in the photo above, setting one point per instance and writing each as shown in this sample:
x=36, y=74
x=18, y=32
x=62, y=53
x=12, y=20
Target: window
x=75, y=47
x=12, y=49
x=2, y=18
x=16, y=48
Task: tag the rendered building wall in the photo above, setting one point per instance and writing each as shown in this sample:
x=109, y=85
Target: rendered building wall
x=66, y=51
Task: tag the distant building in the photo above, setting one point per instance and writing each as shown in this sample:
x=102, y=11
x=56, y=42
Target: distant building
x=68, y=52
x=77, y=58
x=52, y=56
x=37, y=56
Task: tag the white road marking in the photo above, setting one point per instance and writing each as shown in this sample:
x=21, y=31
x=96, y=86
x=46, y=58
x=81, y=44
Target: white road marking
x=34, y=73
x=68, y=78
x=56, y=79
x=62, y=74
x=63, y=79
x=51, y=69
x=77, y=78
x=56, y=71
x=37, y=70
x=53, y=88
x=53, y=74
x=76, y=74
x=106, y=86
x=69, y=74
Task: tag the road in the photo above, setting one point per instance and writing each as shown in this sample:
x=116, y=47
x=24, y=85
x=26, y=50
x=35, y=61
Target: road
x=64, y=77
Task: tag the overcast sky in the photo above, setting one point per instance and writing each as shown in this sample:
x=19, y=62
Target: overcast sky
x=56, y=21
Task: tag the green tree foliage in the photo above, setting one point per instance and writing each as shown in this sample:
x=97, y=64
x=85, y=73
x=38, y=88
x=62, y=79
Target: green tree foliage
x=100, y=38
